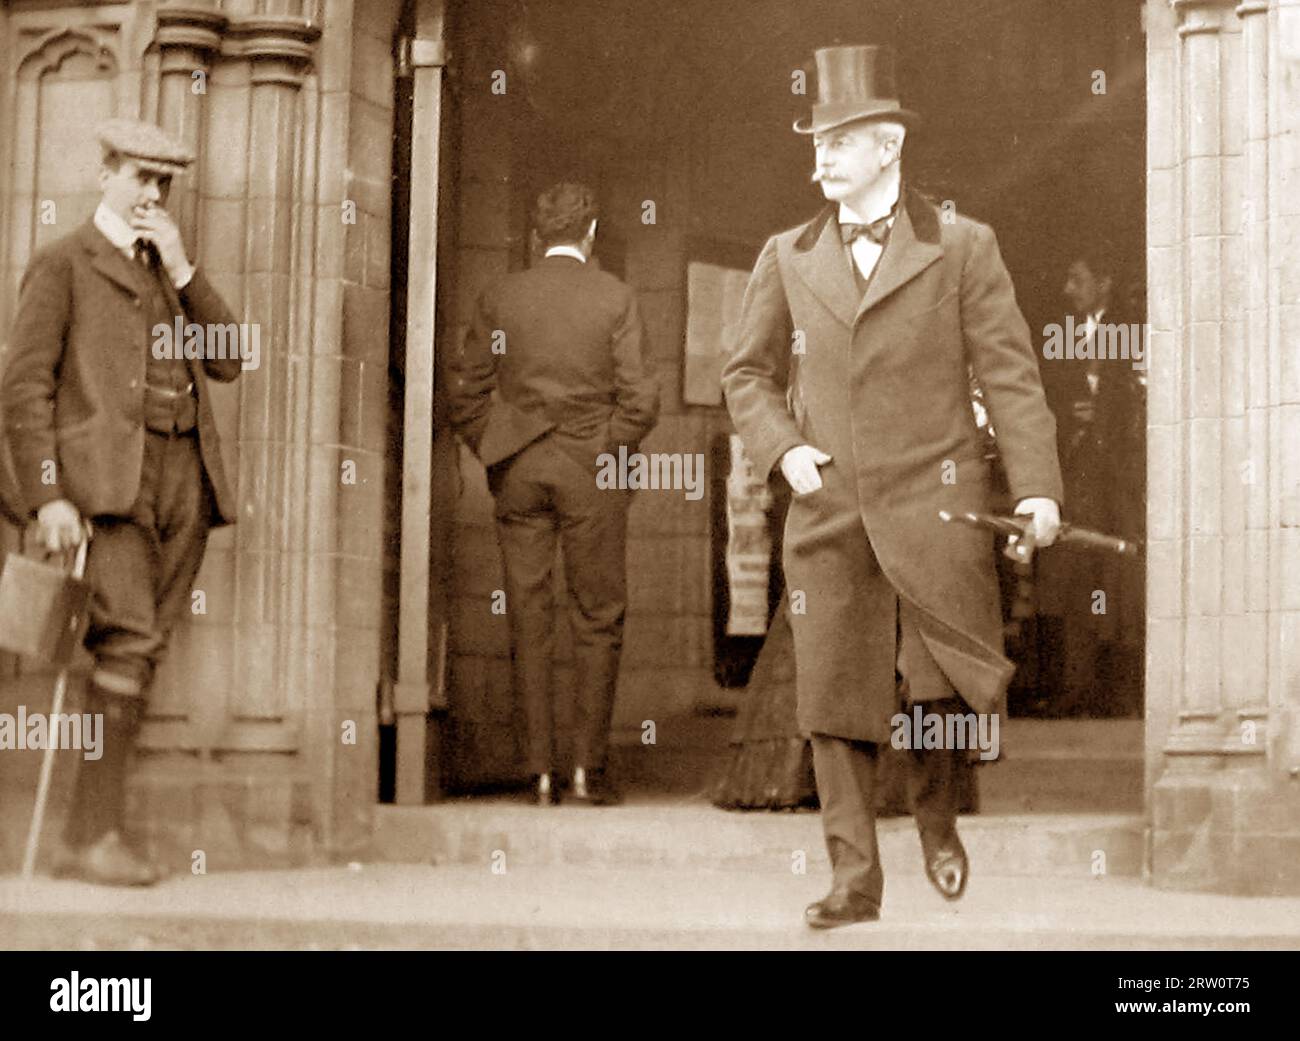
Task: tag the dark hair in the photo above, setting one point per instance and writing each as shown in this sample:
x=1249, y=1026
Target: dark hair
x=112, y=159
x=1100, y=261
x=564, y=213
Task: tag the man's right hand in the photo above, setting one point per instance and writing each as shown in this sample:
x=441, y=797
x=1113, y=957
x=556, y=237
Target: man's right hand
x=800, y=467
x=60, y=525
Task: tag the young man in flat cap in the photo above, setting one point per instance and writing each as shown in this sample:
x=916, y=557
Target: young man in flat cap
x=111, y=441
x=850, y=372
x=551, y=376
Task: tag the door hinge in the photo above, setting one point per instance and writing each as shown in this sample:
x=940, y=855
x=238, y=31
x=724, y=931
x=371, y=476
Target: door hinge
x=415, y=53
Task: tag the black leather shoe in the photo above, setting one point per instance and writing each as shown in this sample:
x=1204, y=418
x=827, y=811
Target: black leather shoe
x=108, y=862
x=545, y=788
x=841, y=908
x=947, y=869
x=594, y=788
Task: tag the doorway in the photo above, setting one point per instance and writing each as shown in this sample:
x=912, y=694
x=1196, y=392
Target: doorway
x=1034, y=122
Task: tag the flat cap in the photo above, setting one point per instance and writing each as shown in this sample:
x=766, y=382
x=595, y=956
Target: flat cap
x=149, y=146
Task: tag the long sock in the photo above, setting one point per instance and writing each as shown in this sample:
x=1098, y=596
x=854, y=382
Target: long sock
x=99, y=795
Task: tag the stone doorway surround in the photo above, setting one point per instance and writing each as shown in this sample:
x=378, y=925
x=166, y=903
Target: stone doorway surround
x=1223, y=509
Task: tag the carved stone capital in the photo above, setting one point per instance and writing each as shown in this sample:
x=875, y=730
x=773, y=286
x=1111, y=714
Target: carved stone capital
x=280, y=47
x=188, y=26
x=1202, y=16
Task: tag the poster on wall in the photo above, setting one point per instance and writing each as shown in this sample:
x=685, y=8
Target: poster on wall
x=749, y=546
x=713, y=297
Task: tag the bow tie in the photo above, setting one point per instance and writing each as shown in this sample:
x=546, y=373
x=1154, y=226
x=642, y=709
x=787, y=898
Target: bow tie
x=876, y=231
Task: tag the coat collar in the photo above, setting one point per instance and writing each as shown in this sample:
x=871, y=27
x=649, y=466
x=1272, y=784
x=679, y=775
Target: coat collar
x=107, y=259
x=820, y=261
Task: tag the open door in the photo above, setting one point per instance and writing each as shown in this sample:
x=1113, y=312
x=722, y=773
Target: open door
x=415, y=691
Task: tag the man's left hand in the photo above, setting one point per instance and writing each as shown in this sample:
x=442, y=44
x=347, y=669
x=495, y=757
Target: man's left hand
x=1046, y=523
x=156, y=225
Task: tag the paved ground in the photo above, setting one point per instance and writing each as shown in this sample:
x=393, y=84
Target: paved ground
x=557, y=906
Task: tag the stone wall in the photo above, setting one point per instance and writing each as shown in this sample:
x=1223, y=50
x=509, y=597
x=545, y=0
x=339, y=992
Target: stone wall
x=1223, y=665
x=260, y=746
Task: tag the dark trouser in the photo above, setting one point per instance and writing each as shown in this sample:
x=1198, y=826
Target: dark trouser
x=140, y=569
x=846, y=777
x=543, y=495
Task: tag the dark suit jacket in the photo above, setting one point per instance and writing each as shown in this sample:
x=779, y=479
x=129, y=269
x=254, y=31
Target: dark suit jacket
x=567, y=359
x=72, y=388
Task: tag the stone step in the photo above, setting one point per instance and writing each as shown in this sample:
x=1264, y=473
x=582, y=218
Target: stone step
x=1048, y=766
x=696, y=835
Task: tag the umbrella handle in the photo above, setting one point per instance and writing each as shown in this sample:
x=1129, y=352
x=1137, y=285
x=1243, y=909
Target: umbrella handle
x=1020, y=548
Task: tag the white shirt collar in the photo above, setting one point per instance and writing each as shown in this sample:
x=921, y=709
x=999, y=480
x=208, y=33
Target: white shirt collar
x=115, y=229
x=566, y=251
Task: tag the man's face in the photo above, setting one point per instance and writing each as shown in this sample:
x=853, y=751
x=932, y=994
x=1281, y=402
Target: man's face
x=1086, y=292
x=850, y=159
x=128, y=191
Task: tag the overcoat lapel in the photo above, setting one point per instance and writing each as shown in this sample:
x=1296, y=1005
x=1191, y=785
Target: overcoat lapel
x=912, y=247
x=820, y=260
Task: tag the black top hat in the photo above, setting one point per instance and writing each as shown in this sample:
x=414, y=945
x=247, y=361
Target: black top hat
x=854, y=83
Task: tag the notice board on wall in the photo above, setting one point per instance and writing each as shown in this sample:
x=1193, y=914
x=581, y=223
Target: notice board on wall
x=716, y=277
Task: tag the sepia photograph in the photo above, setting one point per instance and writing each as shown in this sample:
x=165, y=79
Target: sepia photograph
x=650, y=475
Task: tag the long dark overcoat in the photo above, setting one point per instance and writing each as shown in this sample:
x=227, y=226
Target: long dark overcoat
x=880, y=382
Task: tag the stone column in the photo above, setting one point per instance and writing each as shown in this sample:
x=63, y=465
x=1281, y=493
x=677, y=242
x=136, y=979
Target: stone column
x=255, y=686
x=268, y=697
x=1220, y=806
x=188, y=697
x=1278, y=61
x=188, y=36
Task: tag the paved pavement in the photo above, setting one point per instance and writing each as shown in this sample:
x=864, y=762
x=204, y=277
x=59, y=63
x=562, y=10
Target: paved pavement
x=559, y=906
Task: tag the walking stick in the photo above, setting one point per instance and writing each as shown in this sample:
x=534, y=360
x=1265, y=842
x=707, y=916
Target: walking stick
x=47, y=760
x=1021, y=545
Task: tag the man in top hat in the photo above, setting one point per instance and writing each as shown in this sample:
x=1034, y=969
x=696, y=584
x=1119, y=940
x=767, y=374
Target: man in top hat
x=113, y=438
x=867, y=413
x=551, y=377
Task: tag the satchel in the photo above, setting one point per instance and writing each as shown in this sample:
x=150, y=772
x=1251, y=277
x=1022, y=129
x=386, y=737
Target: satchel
x=43, y=609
